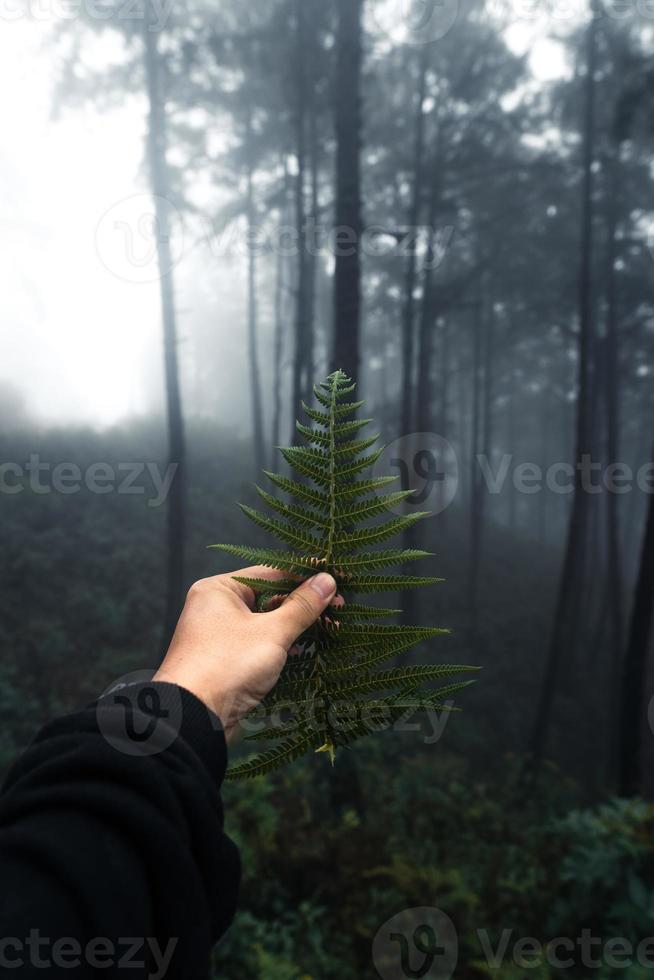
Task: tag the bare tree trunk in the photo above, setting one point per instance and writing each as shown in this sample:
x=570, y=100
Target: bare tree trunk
x=443, y=412
x=475, y=476
x=545, y=426
x=612, y=388
x=407, y=394
x=279, y=314
x=635, y=666
x=466, y=453
x=278, y=348
x=302, y=317
x=345, y=351
x=511, y=430
x=160, y=186
x=253, y=351
x=564, y=614
x=484, y=339
x=423, y=411
x=428, y=314
x=347, y=273
x=310, y=355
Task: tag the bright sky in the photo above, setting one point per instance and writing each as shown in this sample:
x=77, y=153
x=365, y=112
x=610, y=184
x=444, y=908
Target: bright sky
x=67, y=321
x=78, y=335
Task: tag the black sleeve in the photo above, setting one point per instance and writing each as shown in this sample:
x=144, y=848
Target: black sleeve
x=112, y=850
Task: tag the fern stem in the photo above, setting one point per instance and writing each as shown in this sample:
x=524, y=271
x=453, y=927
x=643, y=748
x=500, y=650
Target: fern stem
x=332, y=475
x=319, y=668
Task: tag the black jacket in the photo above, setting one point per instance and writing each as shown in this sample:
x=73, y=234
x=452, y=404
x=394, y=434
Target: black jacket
x=112, y=850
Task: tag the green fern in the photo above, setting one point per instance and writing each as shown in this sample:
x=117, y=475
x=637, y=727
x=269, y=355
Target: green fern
x=333, y=688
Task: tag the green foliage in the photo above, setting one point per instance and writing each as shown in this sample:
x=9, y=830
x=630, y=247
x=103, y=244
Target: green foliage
x=500, y=865
x=332, y=690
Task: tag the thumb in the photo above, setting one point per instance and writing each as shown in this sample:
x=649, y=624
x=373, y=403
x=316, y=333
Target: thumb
x=302, y=607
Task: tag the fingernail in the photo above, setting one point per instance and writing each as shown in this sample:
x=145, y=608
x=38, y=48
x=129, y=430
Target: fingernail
x=324, y=585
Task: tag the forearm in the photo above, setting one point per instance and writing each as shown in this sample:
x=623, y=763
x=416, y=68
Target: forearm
x=111, y=829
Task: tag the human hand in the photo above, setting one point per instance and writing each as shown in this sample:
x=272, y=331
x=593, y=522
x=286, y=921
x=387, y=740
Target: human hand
x=231, y=657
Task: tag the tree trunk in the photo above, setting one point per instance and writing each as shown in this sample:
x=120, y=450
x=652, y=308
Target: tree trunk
x=612, y=388
x=422, y=414
x=543, y=496
x=484, y=339
x=406, y=414
x=428, y=314
x=511, y=428
x=310, y=345
x=159, y=183
x=475, y=479
x=345, y=352
x=278, y=343
x=635, y=666
x=347, y=273
x=302, y=320
x=564, y=614
x=463, y=429
x=253, y=349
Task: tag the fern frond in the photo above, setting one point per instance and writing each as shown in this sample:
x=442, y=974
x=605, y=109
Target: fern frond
x=354, y=611
x=380, y=715
x=299, y=490
x=351, y=564
x=346, y=470
x=339, y=411
x=275, y=732
x=303, y=454
x=308, y=463
x=368, y=661
x=273, y=759
x=389, y=583
x=302, y=516
x=363, y=654
x=283, y=560
x=294, y=535
x=371, y=507
x=264, y=585
x=397, y=678
x=331, y=689
x=375, y=535
x=355, y=489
x=374, y=632
x=352, y=447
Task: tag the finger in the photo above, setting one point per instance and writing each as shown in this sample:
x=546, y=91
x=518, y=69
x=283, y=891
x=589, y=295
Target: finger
x=302, y=608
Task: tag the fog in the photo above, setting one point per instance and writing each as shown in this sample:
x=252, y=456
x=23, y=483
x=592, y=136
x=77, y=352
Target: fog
x=80, y=321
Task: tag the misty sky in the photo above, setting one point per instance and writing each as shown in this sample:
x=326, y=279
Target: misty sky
x=63, y=313
x=79, y=340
